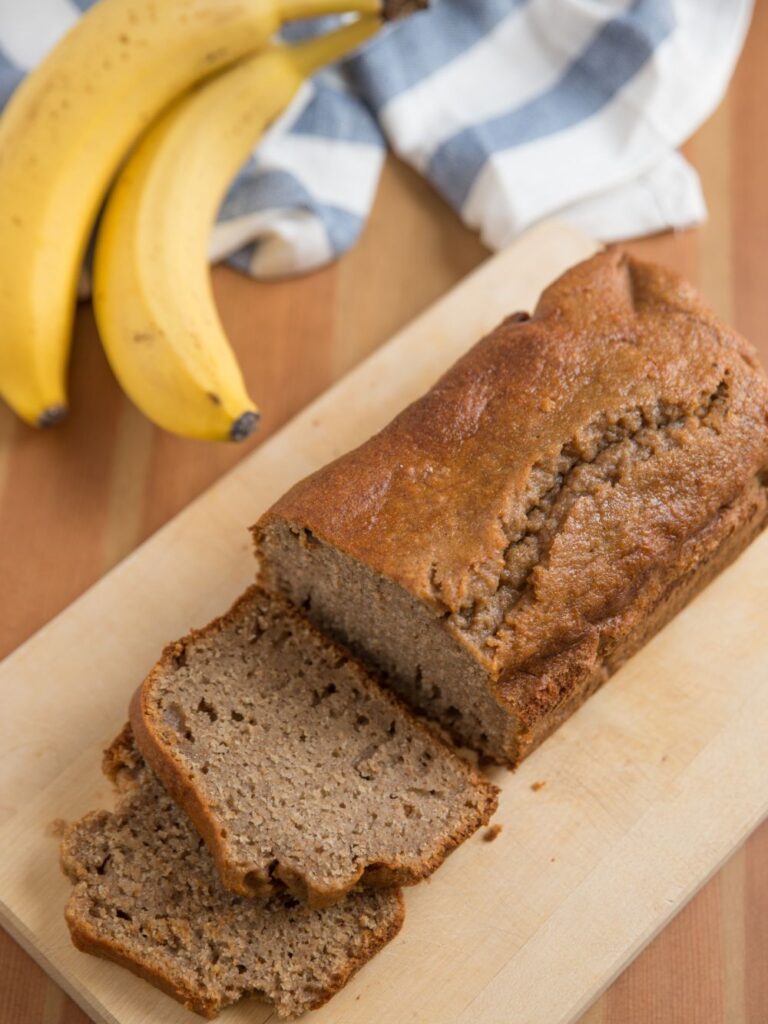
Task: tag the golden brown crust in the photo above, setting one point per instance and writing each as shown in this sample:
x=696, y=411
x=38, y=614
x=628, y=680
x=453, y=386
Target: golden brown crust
x=548, y=693
x=611, y=333
x=251, y=882
x=619, y=355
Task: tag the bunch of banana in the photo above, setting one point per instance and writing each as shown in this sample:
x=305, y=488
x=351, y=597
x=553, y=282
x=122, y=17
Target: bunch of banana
x=63, y=137
x=152, y=290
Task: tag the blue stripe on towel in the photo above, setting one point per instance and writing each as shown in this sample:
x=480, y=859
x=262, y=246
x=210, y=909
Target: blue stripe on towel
x=589, y=88
x=10, y=76
x=335, y=114
x=615, y=55
x=258, y=189
x=422, y=45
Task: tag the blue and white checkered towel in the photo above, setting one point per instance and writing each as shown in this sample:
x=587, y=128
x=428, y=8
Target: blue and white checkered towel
x=515, y=110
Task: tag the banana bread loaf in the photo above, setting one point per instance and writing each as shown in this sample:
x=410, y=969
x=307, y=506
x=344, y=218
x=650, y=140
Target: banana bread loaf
x=146, y=895
x=296, y=768
x=512, y=537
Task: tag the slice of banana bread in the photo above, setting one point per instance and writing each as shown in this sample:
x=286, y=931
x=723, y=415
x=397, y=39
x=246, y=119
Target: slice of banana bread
x=296, y=768
x=147, y=895
x=512, y=537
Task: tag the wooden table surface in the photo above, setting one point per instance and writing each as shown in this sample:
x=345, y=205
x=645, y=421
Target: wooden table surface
x=75, y=501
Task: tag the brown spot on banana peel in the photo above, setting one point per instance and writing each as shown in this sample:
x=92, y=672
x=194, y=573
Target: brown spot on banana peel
x=142, y=337
x=213, y=397
x=218, y=56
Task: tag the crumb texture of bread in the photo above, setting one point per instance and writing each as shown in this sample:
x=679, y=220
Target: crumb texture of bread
x=298, y=770
x=147, y=895
x=513, y=536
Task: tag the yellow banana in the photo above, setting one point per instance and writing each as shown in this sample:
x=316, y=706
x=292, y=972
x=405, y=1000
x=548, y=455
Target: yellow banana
x=152, y=291
x=62, y=137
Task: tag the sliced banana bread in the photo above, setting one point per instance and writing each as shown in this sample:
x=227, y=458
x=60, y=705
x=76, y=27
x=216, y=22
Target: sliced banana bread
x=512, y=537
x=296, y=768
x=147, y=895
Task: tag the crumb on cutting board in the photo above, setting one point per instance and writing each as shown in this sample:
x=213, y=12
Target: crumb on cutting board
x=56, y=828
x=492, y=833
x=536, y=786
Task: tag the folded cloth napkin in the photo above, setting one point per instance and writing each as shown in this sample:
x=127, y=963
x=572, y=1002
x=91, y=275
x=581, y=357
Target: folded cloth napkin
x=515, y=110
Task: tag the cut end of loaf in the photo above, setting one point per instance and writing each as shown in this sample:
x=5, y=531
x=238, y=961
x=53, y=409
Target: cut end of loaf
x=298, y=770
x=400, y=636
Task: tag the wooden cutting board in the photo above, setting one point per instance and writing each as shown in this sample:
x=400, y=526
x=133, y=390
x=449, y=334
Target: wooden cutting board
x=645, y=791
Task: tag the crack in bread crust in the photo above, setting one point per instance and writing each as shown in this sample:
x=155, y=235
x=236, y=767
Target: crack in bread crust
x=606, y=444
x=546, y=691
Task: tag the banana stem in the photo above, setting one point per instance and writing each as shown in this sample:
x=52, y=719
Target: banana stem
x=290, y=9
x=313, y=54
x=387, y=10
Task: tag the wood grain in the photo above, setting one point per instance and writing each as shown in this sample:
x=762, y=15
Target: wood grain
x=73, y=502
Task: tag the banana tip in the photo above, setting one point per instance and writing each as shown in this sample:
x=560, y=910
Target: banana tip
x=244, y=426
x=51, y=416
